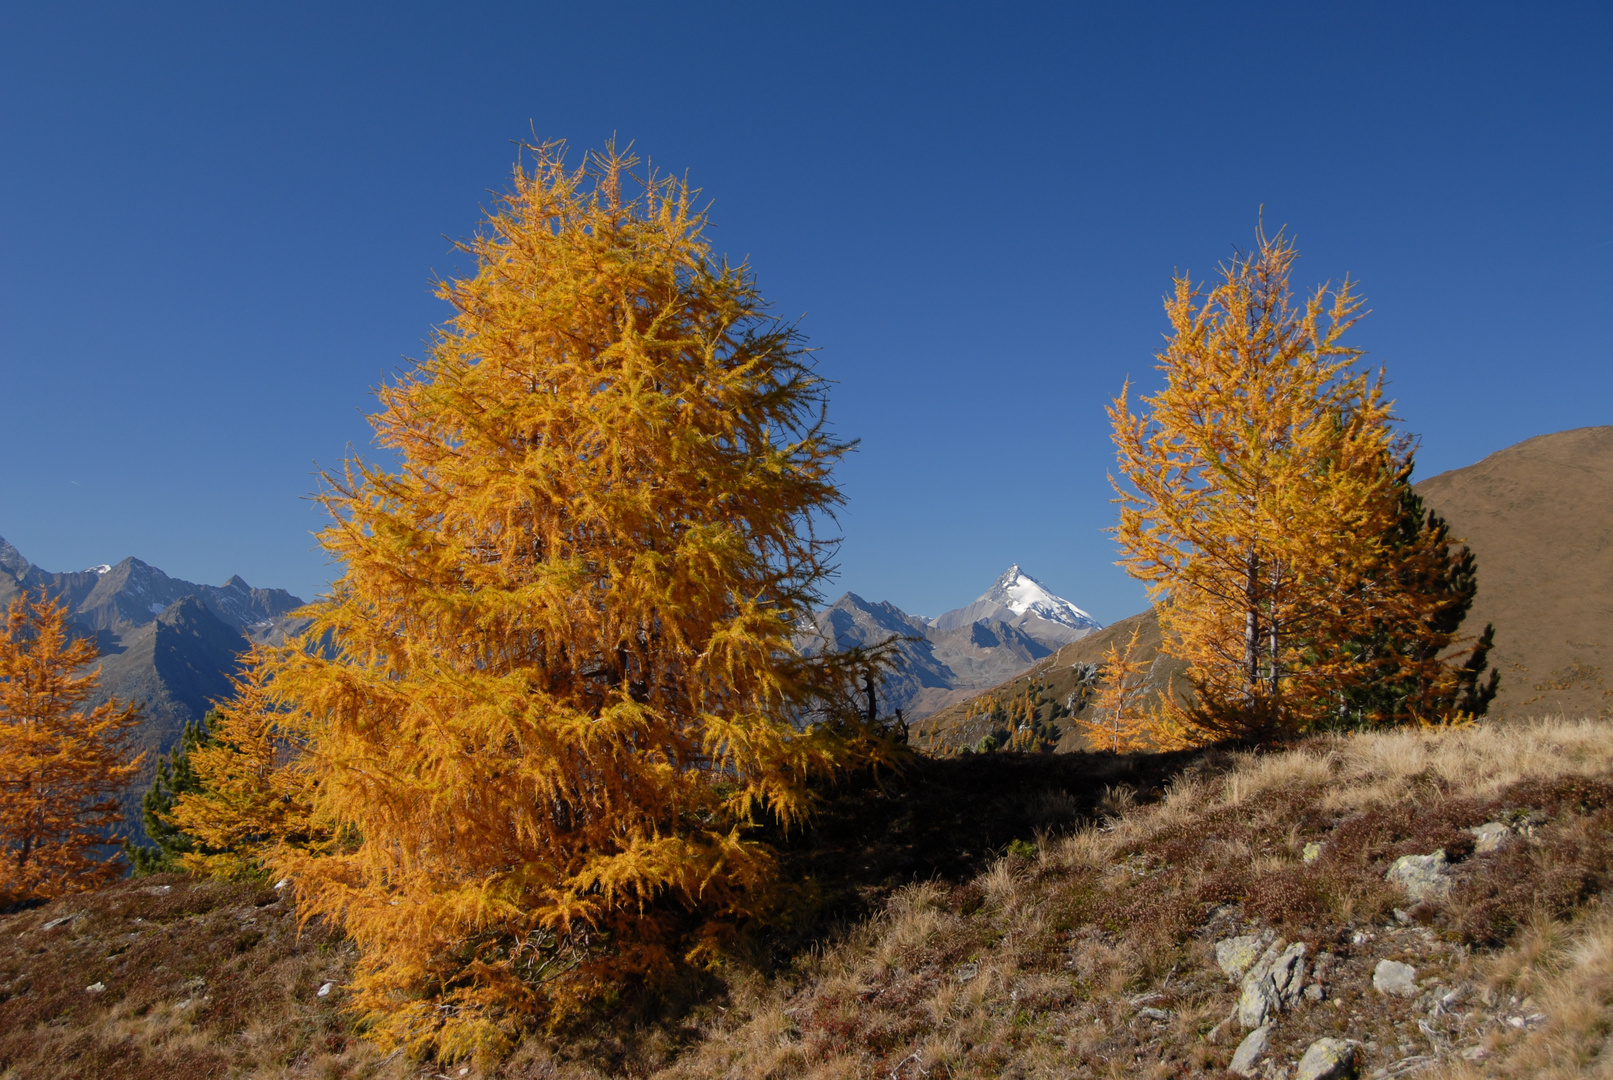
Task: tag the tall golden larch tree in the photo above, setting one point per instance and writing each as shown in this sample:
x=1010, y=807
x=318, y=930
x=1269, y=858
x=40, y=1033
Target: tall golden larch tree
x=1257, y=496
x=61, y=765
x=555, y=688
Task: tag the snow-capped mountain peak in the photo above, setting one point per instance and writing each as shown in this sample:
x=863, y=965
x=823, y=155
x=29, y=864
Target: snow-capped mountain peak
x=1021, y=593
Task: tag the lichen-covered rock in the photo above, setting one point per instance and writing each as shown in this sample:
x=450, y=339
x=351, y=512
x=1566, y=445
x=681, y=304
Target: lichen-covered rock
x=1423, y=877
x=1312, y=852
x=1236, y=955
x=1257, y=1003
x=1327, y=1059
x=1250, y=1051
x=1491, y=836
x=1393, y=977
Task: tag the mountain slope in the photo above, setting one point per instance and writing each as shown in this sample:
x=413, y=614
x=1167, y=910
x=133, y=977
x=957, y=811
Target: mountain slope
x=1060, y=686
x=1539, y=517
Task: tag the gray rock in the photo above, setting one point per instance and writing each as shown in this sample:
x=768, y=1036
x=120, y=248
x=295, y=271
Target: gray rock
x=1256, y=1003
x=1249, y=1051
x=1491, y=836
x=1327, y=1059
x=95, y=988
x=1423, y=877
x=1288, y=973
x=1272, y=984
x=1393, y=977
x=1154, y=1014
x=1236, y=955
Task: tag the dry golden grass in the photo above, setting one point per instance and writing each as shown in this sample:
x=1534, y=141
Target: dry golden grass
x=1040, y=963
x=1049, y=974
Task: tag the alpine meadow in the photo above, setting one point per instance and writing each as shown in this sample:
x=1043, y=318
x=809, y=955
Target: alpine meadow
x=575, y=773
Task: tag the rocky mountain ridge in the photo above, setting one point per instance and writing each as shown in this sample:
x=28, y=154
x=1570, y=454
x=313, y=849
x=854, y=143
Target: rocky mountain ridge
x=1004, y=631
x=169, y=644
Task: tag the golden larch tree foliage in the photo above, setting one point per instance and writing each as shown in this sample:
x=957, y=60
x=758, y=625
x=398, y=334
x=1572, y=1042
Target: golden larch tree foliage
x=1258, y=496
x=1119, y=717
x=534, y=725
x=61, y=765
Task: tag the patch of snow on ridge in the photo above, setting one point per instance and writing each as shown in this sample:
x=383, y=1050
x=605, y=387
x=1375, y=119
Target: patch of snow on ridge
x=1019, y=592
x=104, y=568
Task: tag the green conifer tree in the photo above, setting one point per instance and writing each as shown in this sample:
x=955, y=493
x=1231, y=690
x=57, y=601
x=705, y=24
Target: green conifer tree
x=175, y=776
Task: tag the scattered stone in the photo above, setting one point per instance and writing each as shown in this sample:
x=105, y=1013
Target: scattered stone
x=967, y=972
x=1315, y=992
x=1474, y=1053
x=1272, y=984
x=1393, y=977
x=95, y=988
x=1327, y=1059
x=1423, y=877
x=324, y=991
x=282, y=883
x=1288, y=973
x=54, y=923
x=1312, y=852
x=158, y=890
x=1250, y=1050
x=1154, y=1014
x=1236, y=955
x=1491, y=836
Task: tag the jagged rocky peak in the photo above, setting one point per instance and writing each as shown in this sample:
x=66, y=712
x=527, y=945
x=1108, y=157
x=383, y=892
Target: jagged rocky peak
x=11, y=560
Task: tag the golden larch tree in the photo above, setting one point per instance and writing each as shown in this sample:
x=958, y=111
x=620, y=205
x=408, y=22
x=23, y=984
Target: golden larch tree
x=554, y=690
x=1258, y=495
x=61, y=765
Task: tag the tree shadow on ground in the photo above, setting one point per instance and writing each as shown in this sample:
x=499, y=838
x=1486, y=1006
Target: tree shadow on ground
x=946, y=819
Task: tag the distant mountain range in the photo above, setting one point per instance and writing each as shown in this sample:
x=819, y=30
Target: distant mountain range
x=170, y=645
x=173, y=645
x=1005, y=630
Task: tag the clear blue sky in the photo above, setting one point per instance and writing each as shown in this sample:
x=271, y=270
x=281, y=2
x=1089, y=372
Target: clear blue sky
x=219, y=222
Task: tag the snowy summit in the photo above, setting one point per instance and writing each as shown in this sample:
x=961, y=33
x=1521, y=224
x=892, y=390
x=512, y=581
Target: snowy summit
x=1020, y=599
x=1020, y=593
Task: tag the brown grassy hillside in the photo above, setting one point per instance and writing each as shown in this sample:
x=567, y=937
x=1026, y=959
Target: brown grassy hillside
x=1539, y=516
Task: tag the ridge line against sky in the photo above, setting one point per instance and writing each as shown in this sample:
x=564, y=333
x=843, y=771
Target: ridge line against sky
x=220, y=228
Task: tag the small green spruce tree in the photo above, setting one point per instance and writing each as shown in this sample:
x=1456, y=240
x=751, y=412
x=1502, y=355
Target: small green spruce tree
x=175, y=776
x=1418, y=678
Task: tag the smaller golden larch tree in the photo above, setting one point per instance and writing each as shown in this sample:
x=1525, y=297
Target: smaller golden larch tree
x=1118, y=717
x=61, y=765
x=1258, y=496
